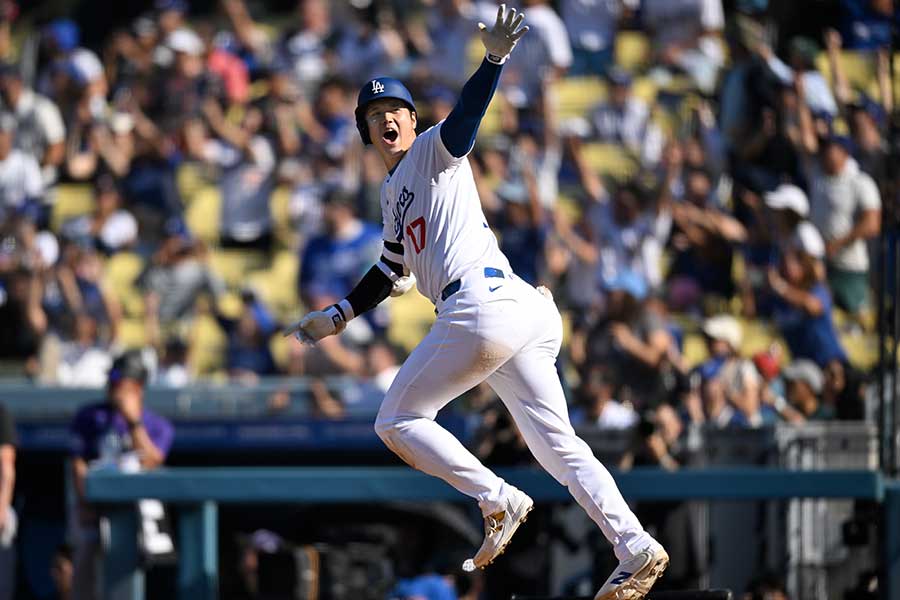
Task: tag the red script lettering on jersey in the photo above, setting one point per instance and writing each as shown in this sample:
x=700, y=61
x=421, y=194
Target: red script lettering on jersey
x=416, y=233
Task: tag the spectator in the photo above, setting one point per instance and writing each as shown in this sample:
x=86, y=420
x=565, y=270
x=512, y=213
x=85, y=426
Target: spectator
x=597, y=406
x=625, y=119
x=519, y=224
x=592, y=32
x=723, y=341
x=451, y=26
x=429, y=586
x=8, y=519
x=790, y=208
x=633, y=341
x=333, y=262
x=173, y=368
x=803, y=52
x=21, y=320
x=246, y=161
x=177, y=276
x=21, y=185
x=844, y=391
x=247, y=356
x=703, y=240
x=306, y=49
x=118, y=431
x=803, y=309
x=804, y=390
x=685, y=36
x=83, y=362
x=40, y=130
x=542, y=56
x=846, y=208
x=867, y=24
x=109, y=228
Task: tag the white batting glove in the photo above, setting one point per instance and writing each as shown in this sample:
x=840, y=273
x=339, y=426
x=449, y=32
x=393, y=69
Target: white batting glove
x=500, y=40
x=403, y=285
x=317, y=325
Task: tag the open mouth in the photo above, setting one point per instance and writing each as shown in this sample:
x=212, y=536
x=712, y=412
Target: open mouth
x=390, y=136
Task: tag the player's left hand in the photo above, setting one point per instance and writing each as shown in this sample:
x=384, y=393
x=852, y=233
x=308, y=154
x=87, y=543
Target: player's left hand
x=500, y=40
x=315, y=326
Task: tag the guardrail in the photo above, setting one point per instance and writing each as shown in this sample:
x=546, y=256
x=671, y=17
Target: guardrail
x=199, y=491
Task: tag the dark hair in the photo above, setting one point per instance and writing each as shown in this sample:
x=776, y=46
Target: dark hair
x=129, y=365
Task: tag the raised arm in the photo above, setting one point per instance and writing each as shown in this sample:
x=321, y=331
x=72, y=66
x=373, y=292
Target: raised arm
x=459, y=129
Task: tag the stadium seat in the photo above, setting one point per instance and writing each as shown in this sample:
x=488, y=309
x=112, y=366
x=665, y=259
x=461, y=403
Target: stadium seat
x=279, y=207
x=203, y=213
x=577, y=95
x=610, y=159
x=411, y=318
x=207, y=345
x=233, y=266
x=132, y=333
x=632, y=50
x=859, y=68
x=72, y=200
x=120, y=275
x=277, y=285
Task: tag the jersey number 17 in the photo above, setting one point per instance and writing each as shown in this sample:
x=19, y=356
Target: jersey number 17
x=416, y=233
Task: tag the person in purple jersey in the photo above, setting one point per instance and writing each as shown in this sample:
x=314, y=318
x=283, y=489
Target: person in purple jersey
x=118, y=431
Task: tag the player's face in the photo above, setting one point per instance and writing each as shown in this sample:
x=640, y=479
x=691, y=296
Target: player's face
x=392, y=127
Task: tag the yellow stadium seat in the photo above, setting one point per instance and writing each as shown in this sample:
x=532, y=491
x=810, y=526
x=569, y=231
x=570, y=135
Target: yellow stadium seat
x=610, y=159
x=411, y=318
x=72, y=200
x=132, y=333
x=120, y=275
x=646, y=89
x=279, y=207
x=233, y=266
x=189, y=179
x=577, y=95
x=207, y=345
x=277, y=285
x=859, y=68
x=633, y=50
x=203, y=213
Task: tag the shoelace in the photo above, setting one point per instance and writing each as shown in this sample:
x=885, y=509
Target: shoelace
x=494, y=523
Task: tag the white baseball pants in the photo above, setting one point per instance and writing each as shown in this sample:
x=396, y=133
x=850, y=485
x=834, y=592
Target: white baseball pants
x=509, y=337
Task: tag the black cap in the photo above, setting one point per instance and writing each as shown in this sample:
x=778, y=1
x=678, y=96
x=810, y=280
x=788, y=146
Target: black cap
x=129, y=365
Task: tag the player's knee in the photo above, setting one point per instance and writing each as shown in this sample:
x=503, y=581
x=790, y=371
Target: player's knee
x=386, y=427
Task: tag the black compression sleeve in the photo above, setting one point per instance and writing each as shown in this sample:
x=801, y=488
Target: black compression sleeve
x=371, y=290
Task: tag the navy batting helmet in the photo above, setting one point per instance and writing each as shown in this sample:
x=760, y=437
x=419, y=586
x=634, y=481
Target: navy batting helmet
x=376, y=89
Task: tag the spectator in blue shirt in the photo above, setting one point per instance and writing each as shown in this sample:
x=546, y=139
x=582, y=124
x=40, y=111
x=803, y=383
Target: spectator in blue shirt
x=867, y=24
x=803, y=310
x=333, y=262
x=248, y=355
x=424, y=587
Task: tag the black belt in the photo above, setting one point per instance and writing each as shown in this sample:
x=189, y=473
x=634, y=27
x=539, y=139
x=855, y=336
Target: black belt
x=453, y=287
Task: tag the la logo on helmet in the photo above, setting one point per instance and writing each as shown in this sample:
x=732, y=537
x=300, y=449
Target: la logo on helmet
x=377, y=87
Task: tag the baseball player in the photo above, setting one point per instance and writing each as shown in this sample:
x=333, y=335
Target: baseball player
x=491, y=326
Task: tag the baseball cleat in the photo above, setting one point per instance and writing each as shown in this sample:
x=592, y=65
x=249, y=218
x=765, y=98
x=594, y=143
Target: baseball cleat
x=499, y=529
x=635, y=576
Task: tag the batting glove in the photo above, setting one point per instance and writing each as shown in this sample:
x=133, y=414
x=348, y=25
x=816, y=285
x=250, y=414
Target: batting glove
x=500, y=40
x=317, y=325
x=403, y=285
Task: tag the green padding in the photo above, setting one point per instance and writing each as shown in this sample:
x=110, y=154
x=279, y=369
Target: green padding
x=315, y=484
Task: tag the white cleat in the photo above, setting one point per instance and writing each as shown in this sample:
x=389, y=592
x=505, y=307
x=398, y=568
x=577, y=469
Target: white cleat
x=499, y=529
x=634, y=577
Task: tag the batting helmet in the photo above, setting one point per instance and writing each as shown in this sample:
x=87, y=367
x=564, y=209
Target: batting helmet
x=129, y=365
x=376, y=89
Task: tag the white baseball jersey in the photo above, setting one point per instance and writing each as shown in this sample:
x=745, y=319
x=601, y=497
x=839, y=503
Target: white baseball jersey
x=430, y=205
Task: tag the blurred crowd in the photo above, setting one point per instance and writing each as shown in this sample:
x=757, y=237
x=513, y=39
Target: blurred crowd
x=683, y=174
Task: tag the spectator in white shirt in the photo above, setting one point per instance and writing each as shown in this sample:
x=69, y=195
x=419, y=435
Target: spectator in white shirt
x=83, y=362
x=686, y=36
x=625, y=119
x=541, y=56
x=110, y=227
x=40, y=129
x=597, y=407
x=20, y=174
x=846, y=208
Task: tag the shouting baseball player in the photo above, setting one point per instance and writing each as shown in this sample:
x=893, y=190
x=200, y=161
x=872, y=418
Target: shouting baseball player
x=491, y=326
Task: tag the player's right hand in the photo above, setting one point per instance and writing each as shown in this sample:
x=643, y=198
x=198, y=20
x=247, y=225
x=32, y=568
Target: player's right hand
x=501, y=39
x=317, y=325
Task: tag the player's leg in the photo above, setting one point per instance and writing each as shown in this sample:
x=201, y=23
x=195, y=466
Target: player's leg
x=449, y=361
x=529, y=386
